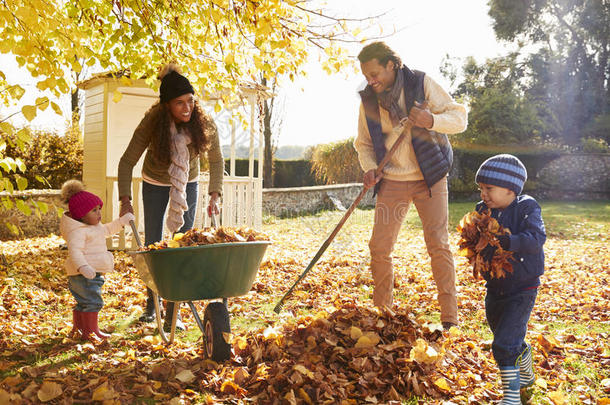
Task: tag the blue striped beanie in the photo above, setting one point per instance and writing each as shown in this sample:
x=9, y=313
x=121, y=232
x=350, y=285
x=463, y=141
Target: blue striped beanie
x=503, y=171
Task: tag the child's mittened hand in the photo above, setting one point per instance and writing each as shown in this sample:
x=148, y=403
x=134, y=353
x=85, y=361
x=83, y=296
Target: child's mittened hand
x=488, y=253
x=87, y=271
x=124, y=220
x=504, y=241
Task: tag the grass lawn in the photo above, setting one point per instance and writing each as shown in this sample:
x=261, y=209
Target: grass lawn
x=569, y=328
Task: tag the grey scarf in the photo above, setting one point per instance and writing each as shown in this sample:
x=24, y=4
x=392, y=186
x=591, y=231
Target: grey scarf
x=389, y=99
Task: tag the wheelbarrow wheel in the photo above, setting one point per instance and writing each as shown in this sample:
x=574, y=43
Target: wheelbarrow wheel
x=215, y=324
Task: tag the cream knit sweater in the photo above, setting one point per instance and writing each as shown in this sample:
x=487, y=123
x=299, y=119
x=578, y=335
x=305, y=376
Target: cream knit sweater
x=449, y=118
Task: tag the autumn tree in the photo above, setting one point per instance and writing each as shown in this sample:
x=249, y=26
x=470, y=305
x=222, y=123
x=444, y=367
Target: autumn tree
x=271, y=124
x=218, y=43
x=501, y=109
x=568, y=70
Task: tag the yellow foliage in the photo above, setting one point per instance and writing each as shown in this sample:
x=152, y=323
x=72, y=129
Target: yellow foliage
x=51, y=38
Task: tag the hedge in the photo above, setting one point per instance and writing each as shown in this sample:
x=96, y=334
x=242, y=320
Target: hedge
x=466, y=162
x=298, y=173
x=286, y=173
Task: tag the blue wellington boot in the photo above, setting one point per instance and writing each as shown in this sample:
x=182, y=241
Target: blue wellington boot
x=525, y=368
x=510, y=385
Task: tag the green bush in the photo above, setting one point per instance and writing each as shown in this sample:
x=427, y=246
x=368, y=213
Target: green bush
x=595, y=145
x=286, y=173
x=50, y=158
x=502, y=116
x=336, y=163
x=599, y=128
x=293, y=173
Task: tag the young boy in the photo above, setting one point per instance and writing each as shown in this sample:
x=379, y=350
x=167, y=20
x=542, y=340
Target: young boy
x=510, y=300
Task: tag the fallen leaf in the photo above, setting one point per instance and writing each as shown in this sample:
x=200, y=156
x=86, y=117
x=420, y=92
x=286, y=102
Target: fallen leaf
x=49, y=390
x=103, y=393
x=186, y=376
x=541, y=382
x=422, y=352
x=558, y=397
x=442, y=384
x=355, y=332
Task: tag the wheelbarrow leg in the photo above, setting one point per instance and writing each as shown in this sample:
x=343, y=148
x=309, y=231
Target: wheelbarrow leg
x=164, y=337
x=196, y=315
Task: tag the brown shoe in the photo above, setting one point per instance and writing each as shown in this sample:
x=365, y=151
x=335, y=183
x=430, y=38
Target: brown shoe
x=449, y=325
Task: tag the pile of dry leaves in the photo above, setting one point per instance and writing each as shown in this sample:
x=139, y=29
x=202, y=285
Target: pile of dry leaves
x=353, y=355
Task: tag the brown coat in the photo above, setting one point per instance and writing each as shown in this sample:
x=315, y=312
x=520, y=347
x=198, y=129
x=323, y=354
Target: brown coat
x=141, y=141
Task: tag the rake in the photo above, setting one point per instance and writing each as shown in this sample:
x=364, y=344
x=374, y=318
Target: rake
x=406, y=126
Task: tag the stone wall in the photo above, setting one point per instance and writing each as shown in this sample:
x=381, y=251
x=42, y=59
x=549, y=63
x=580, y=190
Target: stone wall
x=32, y=225
x=576, y=177
x=296, y=200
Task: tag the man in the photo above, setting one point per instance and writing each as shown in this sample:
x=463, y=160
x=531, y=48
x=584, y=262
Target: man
x=416, y=173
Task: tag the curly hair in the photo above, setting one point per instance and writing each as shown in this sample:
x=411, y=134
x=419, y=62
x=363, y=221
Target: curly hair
x=199, y=127
x=380, y=51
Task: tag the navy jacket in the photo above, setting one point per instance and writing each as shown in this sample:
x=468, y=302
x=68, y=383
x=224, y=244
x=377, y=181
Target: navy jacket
x=432, y=149
x=523, y=218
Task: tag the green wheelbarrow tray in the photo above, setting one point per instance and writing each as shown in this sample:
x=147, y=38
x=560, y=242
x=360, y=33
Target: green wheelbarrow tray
x=218, y=270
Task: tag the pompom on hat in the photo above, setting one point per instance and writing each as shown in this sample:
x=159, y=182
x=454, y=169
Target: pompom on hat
x=173, y=84
x=79, y=201
x=503, y=171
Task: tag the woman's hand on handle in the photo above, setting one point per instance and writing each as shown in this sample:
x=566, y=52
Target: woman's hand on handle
x=125, y=205
x=213, y=204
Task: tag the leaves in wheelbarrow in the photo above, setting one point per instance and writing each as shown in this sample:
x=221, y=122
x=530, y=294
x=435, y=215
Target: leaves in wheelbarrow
x=207, y=236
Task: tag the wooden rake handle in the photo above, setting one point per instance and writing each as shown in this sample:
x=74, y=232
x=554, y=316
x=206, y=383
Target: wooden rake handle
x=407, y=125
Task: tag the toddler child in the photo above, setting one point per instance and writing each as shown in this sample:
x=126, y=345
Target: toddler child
x=510, y=300
x=88, y=258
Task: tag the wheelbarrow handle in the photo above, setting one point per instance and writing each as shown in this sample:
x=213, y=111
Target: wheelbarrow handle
x=135, y=233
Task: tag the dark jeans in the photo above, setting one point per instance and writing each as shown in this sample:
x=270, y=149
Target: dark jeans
x=507, y=317
x=87, y=292
x=155, y=199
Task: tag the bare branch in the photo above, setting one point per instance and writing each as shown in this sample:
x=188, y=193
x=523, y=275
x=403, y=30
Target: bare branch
x=339, y=19
x=19, y=112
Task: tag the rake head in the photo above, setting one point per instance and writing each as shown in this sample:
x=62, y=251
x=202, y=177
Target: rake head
x=278, y=308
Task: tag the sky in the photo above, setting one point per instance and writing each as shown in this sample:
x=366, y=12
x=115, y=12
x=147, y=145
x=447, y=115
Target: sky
x=322, y=108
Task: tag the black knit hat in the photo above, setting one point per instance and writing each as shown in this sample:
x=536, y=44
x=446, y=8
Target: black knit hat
x=173, y=85
x=503, y=171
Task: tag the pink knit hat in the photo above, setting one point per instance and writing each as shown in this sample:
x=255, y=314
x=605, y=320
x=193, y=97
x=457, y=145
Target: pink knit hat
x=83, y=202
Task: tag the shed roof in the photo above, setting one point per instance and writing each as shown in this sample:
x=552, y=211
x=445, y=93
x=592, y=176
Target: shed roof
x=246, y=88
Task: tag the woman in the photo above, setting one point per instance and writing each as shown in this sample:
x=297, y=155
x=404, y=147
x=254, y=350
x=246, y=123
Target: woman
x=174, y=133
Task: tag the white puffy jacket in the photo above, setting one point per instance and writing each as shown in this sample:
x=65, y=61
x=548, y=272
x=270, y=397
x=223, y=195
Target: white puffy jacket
x=87, y=244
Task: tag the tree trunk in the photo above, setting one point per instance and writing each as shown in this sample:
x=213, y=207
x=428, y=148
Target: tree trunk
x=75, y=108
x=267, y=134
x=268, y=151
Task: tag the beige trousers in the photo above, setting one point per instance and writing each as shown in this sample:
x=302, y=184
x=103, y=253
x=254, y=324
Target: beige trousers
x=393, y=202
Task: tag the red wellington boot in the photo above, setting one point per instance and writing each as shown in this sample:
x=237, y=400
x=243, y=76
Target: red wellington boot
x=92, y=326
x=76, y=332
x=85, y=328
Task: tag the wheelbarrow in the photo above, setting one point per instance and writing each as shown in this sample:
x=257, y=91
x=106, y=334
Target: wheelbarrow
x=206, y=272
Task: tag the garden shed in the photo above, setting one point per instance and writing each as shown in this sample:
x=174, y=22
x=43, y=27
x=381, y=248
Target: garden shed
x=114, y=107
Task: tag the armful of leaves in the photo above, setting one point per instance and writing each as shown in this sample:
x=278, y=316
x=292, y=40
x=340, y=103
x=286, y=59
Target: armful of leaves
x=479, y=230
